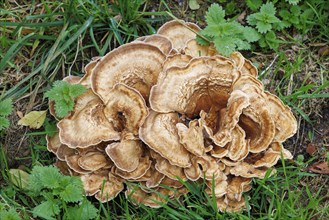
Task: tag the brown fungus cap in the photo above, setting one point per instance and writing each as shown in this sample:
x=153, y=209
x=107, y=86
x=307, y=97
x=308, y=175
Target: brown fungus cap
x=163, y=43
x=87, y=125
x=192, y=137
x=200, y=85
x=163, y=166
x=93, y=161
x=159, y=132
x=136, y=65
x=194, y=49
x=272, y=155
x=285, y=121
x=239, y=147
x=176, y=60
x=230, y=116
x=247, y=170
x=86, y=79
x=126, y=109
x=220, y=187
x=72, y=162
x=125, y=154
x=204, y=167
x=92, y=183
x=226, y=205
x=139, y=174
x=236, y=186
x=53, y=143
x=179, y=32
x=110, y=189
x=164, y=108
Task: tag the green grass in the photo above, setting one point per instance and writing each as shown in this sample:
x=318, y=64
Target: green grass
x=43, y=41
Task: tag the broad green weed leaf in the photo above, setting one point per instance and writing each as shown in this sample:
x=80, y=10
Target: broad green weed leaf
x=50, y=177
x=4, y=123
x=250, y=34
x=33, y=119
x=193, y=4
x=215, y=15
x=6, y=107
x=72, y=193
x=19, y=178
x=11, y=214
x=46, y=210
x=85, y=211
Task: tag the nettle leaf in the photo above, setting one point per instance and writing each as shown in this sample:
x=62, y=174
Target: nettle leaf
x=76, y=90
x=72, y=193
x=252, y=19
x=85, y=211
x=44, y=177
x=4, y=123
x=254, y=4
x=6, y=107
x=35, y=184
x=293, y=2
x=11, y=214
x=271, y=40
x=250, y=34
x=263, y=27
x=62, y=108
x=63, y=94
x=202, y=41
x=215, y=14
x=56, y=93
x=295, y=10
x=46, y=210
x=225, y=45
x=268, y=9
x=50, y=177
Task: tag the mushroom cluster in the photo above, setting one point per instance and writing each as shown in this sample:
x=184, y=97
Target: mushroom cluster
x=164, y=108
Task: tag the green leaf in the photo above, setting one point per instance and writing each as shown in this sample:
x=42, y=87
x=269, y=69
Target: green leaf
x=63, y=94
x=85, y=211
x=215, y=15
x=33, y=119
x=56, y=93
x=76, y=90
x=263, y=27
x=19, y=178
x=11, y=214
x=202, y=41
x=295, y=10
x=250, y=34
x=272, y=19
x=252, y=19
x=6, y=107
x=50, y=128
x=268, y=9
x=254, y=4
x=225, y=45
x=46, y=210
x=293, y=2
x=193, y=4
x=62, y=108
x=72, y=193
x=272, y=40
x=4, y=123
x=44, y=177
x=50, y=177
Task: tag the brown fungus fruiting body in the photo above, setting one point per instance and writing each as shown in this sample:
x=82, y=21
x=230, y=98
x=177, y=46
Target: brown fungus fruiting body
x=164, y=108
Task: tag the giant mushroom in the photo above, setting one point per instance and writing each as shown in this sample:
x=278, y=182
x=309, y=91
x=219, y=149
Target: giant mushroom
x=162, y=109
